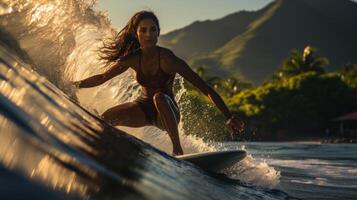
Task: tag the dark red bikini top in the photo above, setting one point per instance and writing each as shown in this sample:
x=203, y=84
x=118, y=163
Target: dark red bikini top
x=161, y=80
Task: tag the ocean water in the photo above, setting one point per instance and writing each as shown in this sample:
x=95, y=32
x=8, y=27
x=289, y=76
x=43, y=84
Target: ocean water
x=52, y=148
x=308, y=170
x=53, y=145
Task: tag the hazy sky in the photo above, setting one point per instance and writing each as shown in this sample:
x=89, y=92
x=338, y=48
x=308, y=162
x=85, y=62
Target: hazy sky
x=174, y=14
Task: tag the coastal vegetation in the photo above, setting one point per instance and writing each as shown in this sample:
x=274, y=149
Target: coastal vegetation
x=297, y=102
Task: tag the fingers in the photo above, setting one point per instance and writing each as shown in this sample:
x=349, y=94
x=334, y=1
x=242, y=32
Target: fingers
x=236, y=125
x=235, y=129
x=241, y=126
x=235, y=132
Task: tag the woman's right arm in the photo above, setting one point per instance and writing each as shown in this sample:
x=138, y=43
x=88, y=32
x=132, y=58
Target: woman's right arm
x=116, y=69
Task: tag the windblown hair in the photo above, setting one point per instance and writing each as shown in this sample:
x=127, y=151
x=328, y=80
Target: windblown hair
x=125, y=42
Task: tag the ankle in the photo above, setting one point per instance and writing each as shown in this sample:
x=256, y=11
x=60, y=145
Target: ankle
x=177, y=152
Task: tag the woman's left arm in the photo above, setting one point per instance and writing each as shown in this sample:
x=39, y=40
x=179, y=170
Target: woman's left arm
x=186, y=72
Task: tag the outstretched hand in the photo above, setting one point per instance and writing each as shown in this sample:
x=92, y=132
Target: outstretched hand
x=236, y=125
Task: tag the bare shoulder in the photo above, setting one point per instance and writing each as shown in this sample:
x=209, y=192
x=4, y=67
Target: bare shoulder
x=170, y=60
x=166, y=53
x=130, y=60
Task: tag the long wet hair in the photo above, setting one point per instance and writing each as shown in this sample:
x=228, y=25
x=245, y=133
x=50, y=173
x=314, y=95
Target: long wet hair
x=125, y=42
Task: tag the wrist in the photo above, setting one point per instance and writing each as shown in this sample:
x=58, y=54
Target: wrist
x=77, y=84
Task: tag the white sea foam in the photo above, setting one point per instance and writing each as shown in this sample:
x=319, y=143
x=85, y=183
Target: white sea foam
x=253, y=171
x=250, y=170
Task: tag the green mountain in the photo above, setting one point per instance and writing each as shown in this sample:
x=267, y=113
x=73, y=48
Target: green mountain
x=253, y=44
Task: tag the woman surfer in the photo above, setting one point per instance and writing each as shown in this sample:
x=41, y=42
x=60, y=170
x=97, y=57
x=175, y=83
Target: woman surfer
x=135, y=47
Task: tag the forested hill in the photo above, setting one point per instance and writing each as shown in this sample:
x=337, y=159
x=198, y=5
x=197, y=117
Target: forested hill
x=252, y=45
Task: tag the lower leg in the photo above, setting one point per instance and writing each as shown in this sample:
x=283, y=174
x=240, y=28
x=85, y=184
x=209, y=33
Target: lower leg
x=169, y=121
x=171, y=128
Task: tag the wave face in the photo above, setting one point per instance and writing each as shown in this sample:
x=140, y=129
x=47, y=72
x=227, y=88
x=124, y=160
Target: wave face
x=59, y=36
x=52, y=146
x=59, y=147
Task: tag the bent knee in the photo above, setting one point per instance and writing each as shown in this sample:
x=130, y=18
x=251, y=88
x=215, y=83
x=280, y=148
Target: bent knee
x=107, y=116
x=112, y=116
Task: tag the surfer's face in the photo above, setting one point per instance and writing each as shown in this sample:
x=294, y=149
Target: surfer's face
x=147, y=33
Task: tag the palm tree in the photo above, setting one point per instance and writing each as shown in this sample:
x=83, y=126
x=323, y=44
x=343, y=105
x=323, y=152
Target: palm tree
x=306, y=61
x=349, y=74
x=234, y=85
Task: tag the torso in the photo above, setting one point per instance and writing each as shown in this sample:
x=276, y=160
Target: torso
x=151, y=74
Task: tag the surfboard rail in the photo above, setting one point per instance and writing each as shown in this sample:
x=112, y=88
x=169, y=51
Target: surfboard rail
x=214, y=161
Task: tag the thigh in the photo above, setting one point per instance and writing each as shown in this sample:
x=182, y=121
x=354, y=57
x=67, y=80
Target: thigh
x=126, y=114
x=172, y=105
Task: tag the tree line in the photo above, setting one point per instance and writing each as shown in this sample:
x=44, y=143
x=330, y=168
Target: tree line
x=297, y=102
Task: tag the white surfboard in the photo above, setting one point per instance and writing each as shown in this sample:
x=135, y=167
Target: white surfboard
x=214, y=161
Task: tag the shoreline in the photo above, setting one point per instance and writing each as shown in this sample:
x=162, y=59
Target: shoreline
x=326, y=140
